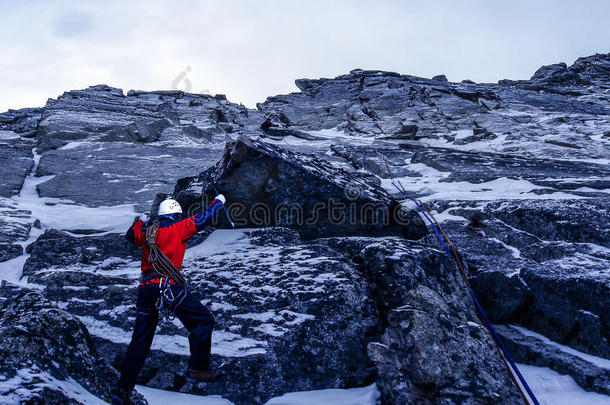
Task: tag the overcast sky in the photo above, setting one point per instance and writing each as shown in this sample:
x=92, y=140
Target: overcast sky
x=249, y=50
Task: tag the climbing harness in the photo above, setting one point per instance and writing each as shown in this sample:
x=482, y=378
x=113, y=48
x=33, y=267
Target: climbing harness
x=167, y=300
x=216, y=191
x=440, y=233
x=498, y=342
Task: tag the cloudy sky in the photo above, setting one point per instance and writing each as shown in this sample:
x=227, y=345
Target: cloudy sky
x=249, y=50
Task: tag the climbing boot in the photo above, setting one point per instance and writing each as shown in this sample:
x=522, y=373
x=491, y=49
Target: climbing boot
x=194, y=376
x=121, y=397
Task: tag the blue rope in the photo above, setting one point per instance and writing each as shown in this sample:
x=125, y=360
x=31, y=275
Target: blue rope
x=476, y=303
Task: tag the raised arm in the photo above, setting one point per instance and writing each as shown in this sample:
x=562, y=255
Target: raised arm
x=203, y=218
x=136, y=234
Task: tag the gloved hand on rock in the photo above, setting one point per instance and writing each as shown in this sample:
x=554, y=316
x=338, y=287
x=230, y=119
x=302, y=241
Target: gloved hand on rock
x=221, y=198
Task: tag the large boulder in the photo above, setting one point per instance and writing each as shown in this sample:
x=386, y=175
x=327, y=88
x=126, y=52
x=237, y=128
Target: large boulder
x=434, y=348
x=47, y=356
x=270, y=186
x=431, y=353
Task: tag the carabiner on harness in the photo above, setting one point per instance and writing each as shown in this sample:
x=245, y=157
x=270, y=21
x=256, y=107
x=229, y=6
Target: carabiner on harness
x=167, y=300
x=166, y=295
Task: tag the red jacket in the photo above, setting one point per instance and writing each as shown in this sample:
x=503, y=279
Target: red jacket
x=171, y=235
x=171, y=240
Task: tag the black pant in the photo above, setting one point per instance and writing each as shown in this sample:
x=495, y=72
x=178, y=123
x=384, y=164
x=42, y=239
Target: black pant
x=194, y=316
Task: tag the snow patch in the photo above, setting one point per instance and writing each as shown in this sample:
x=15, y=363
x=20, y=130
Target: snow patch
x=160, y=397
x=430, y=187
x=598, y=361
x=552, y=388
x=349, y=396
x=13, y=391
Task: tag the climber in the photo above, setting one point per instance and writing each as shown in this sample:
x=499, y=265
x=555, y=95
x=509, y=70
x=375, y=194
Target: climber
x=163, y=246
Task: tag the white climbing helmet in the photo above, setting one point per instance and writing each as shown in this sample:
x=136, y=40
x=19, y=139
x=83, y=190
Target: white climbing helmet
x=169, y=206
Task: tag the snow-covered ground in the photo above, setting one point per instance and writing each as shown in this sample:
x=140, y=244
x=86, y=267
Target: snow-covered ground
x=352, y=396
x=13, y=391
x=552, y=388
x=598, y=361
x=431, y=186
x=64, y=214
x=54, y=213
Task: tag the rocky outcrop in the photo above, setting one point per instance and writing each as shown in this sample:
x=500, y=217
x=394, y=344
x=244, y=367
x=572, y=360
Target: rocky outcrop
x=290, y=315
x=424, y=358
x=530, y=272
x=434, y=349
x=104, y=113
x=23, y=121
x=47, y=355
x=17, y=156
x=586, y=71
x=271, y=186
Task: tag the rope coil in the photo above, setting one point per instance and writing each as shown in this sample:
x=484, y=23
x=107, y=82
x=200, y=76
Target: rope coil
x=159, y=261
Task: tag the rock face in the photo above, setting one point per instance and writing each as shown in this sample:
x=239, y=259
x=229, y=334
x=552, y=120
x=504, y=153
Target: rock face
x=104, y=113
x=516, y=173
x=283, y=308
x=434, y=349
x=18, y=156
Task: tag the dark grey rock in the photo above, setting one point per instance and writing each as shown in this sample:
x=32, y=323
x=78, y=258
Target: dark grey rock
x=9, y=251
x=434, y=350
x=42, y=346
x=423, y=358
x=528, y=268
x=23, y=121
x=14, y=229
x=17, y=158
x=271, y=186
x=440, y=78
x=148, y=131
x=107, y=173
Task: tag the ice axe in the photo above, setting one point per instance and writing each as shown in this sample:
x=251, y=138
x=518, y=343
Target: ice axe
x=216, y=191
